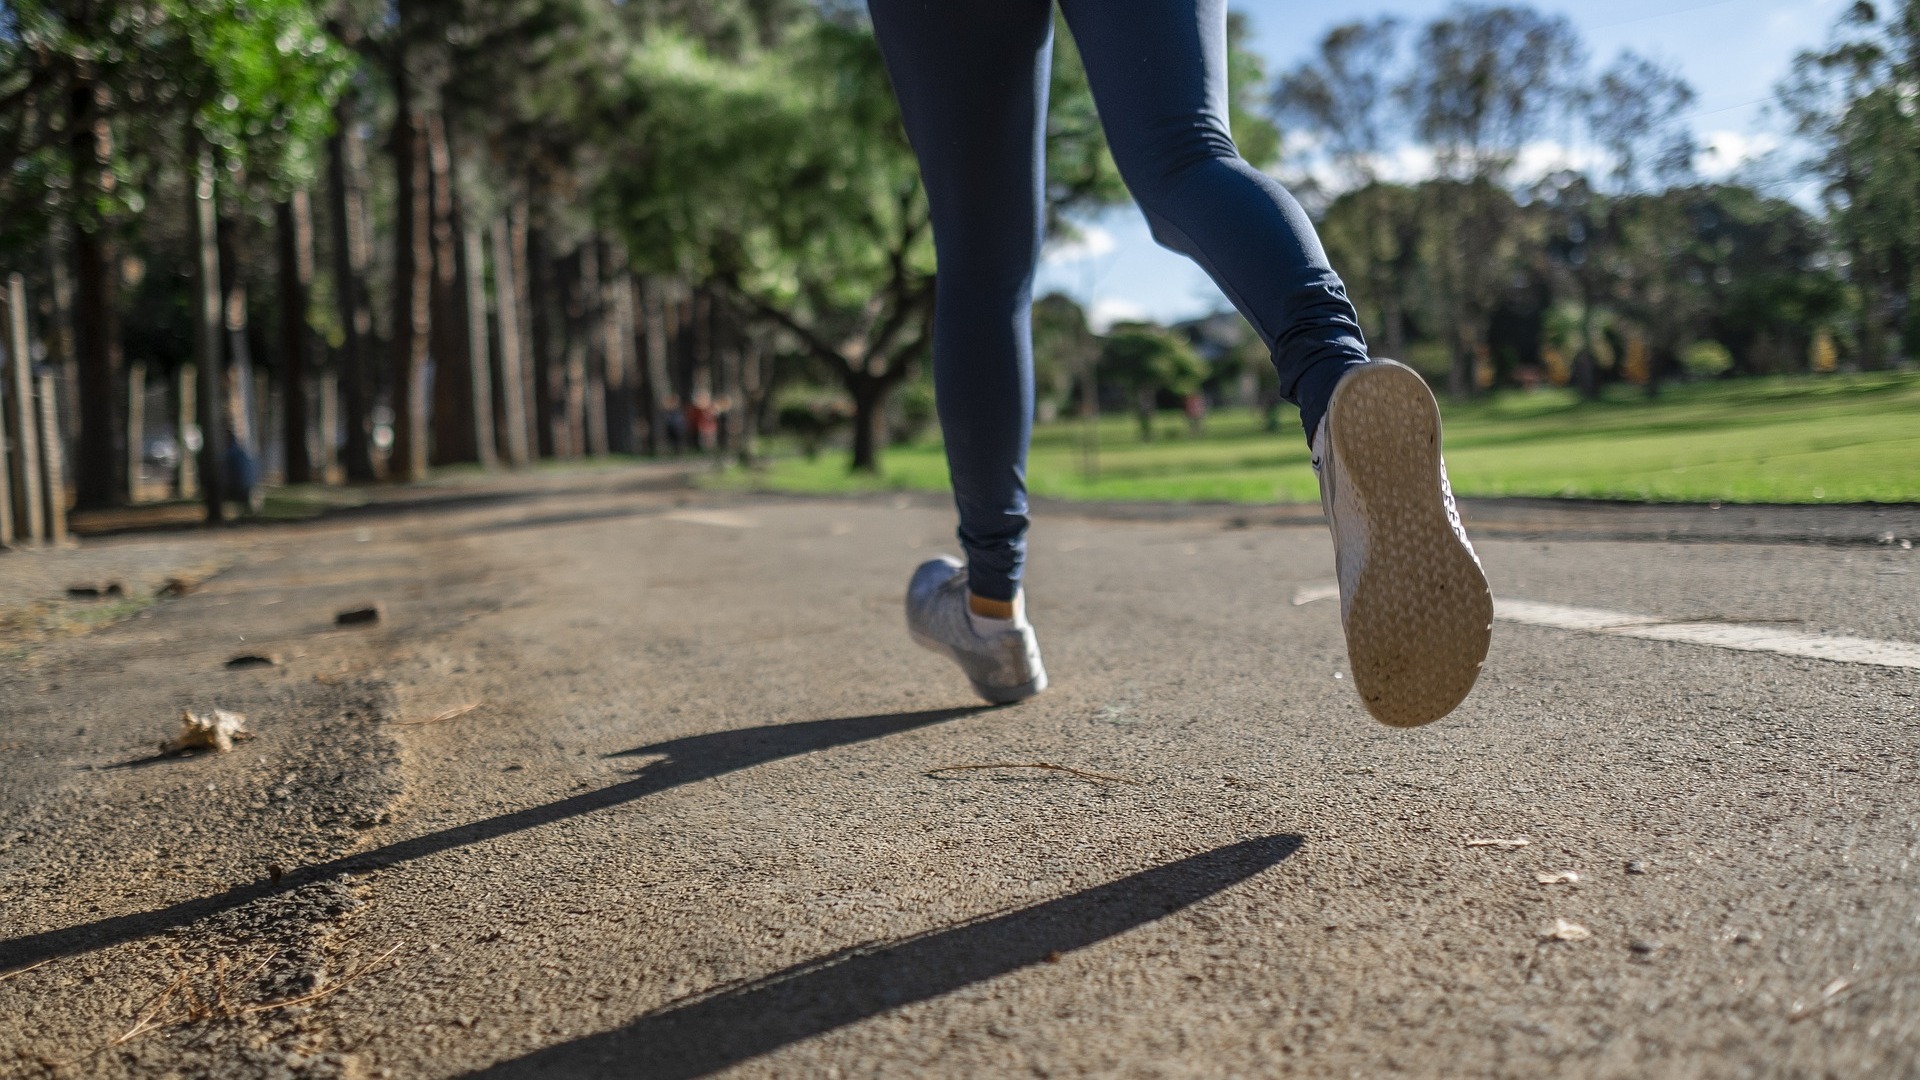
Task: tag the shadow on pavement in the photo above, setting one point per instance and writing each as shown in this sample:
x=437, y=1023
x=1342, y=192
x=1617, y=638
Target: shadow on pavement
x=712, y=1031
x=686, y=761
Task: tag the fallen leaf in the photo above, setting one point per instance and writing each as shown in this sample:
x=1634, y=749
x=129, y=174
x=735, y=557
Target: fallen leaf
x=1562, y=930
x=442, y=716
x=217, y=731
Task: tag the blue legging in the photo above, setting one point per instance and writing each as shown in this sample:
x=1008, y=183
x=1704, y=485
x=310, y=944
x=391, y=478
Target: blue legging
x=971, y=76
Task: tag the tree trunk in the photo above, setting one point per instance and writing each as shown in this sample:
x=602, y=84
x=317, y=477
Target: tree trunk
x=412, y=284
x=59, y=336
x=347, y=210
x=514, y=424
x=99, y=472
x=586, y=396
x=473, y=276
x=293, y=219
x=616, y=303
x=1143, y=409
x=548, y=372
x=1586, y=365
x=203, y=227
x=869, y=395
x=659, y=388
x=241, y=410
x=454, y=436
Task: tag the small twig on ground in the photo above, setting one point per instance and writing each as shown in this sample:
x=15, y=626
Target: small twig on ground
x=1081, y=773
x=442, y=716
x=1516, y=842
x=22, y=971
x=158, y=1002
x=306, y=999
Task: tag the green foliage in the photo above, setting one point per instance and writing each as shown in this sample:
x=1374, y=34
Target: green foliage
x=1706, y=359
x=1146, y=361
x=260, y=82
x=785, y=174
x=1064, y=348
x=1853, y=101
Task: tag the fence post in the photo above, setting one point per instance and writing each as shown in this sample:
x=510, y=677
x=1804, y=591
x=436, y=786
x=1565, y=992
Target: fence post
x=6, y=479
x=136, y=427
x=51, y=448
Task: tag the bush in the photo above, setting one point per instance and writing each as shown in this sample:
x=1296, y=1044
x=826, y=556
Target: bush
x=1706, y=359
x=813, y=421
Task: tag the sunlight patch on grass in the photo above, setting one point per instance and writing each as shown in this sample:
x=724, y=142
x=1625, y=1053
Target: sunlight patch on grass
x=1847, y=438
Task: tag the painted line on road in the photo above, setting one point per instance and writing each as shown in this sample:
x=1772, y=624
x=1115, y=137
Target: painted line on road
x=1745, y=637
x=719, y=519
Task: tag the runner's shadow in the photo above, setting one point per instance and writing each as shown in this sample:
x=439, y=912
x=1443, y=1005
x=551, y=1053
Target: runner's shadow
x=686, y=761
x=709, y=1032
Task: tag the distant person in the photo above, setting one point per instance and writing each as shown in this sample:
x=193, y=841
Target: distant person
x=972, y=84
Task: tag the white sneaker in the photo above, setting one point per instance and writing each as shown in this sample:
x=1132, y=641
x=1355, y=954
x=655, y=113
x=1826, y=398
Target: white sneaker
x=1003, y=666
x=1413, y=599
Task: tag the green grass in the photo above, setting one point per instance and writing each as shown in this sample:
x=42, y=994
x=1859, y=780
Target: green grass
x=1837, y=438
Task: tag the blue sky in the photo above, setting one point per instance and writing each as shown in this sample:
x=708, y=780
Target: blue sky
x=1733, y=52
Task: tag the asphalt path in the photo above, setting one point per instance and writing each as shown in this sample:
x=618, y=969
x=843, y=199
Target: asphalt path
x=711, y=812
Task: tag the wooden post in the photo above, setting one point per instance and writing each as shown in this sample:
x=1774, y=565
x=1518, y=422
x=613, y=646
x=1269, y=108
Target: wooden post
x=185, y=419
x=53, y=473
x=136, y=425
x=6, y=482
x=21, y=422
x=327, y=468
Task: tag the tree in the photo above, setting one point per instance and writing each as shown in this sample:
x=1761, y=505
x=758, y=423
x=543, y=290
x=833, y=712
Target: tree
x=1064, y=348
x=1853, y=101
x=1484, y=83
x=1636, y=111
x=1146, y=361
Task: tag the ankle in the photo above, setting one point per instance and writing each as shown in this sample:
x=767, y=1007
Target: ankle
x=995, y=616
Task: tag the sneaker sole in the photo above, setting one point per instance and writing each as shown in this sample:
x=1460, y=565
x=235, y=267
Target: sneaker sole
x=1421, y=616
x=997, y=695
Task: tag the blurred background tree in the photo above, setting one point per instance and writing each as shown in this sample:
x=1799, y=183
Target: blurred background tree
x=388, y=236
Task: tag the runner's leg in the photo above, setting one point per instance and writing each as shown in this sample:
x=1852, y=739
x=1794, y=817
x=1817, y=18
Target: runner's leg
x=971, y=79
x=1159, y=74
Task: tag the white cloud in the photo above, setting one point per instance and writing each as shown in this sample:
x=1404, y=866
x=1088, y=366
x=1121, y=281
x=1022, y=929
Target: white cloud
x=1092, y=243
x=1724, y=151
x=1112, y=309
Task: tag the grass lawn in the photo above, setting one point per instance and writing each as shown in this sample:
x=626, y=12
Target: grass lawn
x=1836, y=438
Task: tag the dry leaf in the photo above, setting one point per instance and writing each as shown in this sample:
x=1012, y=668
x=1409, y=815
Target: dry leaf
x=1562, y=930
x=218, y=730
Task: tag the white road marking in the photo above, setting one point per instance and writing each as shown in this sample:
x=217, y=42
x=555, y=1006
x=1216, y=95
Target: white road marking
x=719, y=519
x=1745, y=637
x=1308, y=594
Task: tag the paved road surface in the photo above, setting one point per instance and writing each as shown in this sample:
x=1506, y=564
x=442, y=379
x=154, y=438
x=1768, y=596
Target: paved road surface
x=714, y=813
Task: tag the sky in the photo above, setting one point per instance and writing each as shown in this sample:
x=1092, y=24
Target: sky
x=1733, y=52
